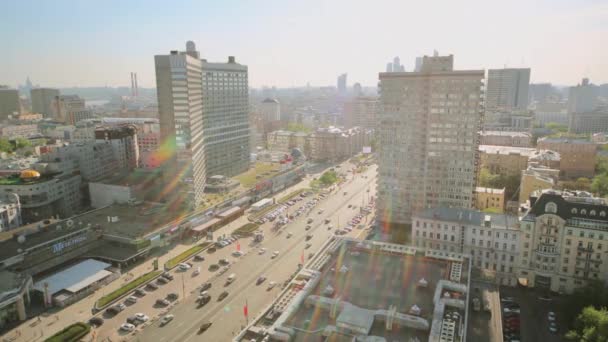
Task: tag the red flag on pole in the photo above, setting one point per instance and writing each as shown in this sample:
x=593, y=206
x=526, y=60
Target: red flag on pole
x=246, y=310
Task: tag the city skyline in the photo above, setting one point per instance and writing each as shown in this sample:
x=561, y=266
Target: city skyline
x=274, y=39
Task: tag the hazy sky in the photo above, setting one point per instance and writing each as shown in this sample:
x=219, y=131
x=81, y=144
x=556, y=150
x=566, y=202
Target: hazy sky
x=288, y=42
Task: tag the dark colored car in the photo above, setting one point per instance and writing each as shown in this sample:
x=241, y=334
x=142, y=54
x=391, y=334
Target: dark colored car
x=96, y=321
x=133, y=320
x=172, y=296
x=222, y=295
x=140, y=292
x=211, y=250
x=152, y=286
x=167, y=276
x=199, y=257
x=204, y=327
x=162, y=302
x=213, y=267
x=205, y=286
x=224, y=262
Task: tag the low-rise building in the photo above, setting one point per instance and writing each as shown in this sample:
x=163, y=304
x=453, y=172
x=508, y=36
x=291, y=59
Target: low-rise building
x=18, y=131
x=535, y=179
x=10, y=212
x=589, y=122
x=506, y=138
x=507, y=160
x=489, y=198
x=491, y=240
x=563, y=241
x=577, y=155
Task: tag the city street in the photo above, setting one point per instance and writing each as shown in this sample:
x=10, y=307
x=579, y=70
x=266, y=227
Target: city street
x=227, y=315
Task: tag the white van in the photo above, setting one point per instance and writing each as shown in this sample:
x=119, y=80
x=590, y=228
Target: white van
x=231, y=278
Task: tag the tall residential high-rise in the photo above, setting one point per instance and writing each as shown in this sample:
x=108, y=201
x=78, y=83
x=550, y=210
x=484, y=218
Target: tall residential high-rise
x=507, y=89
x=180, y=107
x=583, y=97
x=418, y=64
x=43, y=100
x=9, y=103
x=428, y=136
x=342, y=84
x=270, y=110
x=225, y=117
x=395, y=66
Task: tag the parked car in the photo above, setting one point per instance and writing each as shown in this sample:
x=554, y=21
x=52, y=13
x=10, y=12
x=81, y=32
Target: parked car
x=224, y=262
x=142, y=317
x=551, y=316
x=307, y=246
x=152, y=286
x=172, y=296
x=140, y=292
x=260, y=280
x=183, y=267
x=271, y=285
x=127, y=327
x=553, y=327
x=162, y=280
x=133, y=320
x=262, y=251
x=167, y=276
x=206, y=286
x=199, y=257
x=162, y=302
x=166, y=319
x=275, y=254
x=131, y=300
x=204, y=327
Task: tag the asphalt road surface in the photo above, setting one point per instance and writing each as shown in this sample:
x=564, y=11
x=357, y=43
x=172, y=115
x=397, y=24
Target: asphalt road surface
x=227, y=315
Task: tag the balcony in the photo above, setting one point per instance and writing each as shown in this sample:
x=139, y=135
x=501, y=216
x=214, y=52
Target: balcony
x=584, y=249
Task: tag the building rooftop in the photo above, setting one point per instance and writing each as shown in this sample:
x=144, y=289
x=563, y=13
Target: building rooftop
x=506, y=134
x=470, y=217
x=269, y=100
x=545, y=155
x=366, y=282
x=569, y=205
x=506, y=150
x=565, y=140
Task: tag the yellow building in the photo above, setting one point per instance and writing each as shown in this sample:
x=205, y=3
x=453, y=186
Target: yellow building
x=489, y=198
x=506, y=160
x=533, y=180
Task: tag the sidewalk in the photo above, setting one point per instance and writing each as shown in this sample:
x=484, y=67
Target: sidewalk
x=47, y=324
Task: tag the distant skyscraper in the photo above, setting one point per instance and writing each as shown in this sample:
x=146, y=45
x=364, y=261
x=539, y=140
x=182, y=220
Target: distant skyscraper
x=225, y=117
x=342, y=83
x=9, y=103
x=270, y=110
x=395, y=66
x=389, y=67
x=428, y=137
x=43, y=100
x=180, y=108
x=357, y=89
x=583, y=97
x=507, y=89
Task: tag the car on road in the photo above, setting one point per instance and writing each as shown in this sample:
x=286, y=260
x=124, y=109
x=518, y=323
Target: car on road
x=140, y=292
x=96, y=321
x=516, y=310
x=199, y=257
x=271, y=285
x=222, y=296
x=203, y=298
x=260, y=280
x=131, y=300
x=206, y=286
x=262, y=251
x=231, y=278
x=133, y=320
x=307, y=246
x=350, y=206
x=553, y=328
x=142, y=317
x=224, y=262
x=167, y=275
x=211, y=250
x=183, y=267
x=551, y=316
x=309, y=221
x=320, y=211
x=308, y=227
x=274, y=254
x=204, y=327
x=196, y=272
x=308, y=236
x=237, y=254
x=172, y=296
x=152, y=286
x=213, y=267
x=162, y=302
x=162, y=280
x=166, y=319
x=128, y=327
x=289, y=234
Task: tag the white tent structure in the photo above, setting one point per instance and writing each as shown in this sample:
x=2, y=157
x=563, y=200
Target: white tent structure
x=415, y=310
x=423, y=283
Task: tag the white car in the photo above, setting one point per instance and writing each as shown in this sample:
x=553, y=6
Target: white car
x=262, y=251
x=141, y=317
x=271, y=285
x=551, y=316
x=183, y=267
x=275, y=254
x=166, y=319
x=128, y=327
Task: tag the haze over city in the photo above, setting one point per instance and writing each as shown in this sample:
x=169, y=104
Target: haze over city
x=85, y=43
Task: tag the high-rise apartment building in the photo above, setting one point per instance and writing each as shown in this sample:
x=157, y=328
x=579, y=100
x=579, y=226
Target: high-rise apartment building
x=9, y=103
x=71, y=109
x=180, y=108
x=123, y=140
x=226, y=117
x=508, y=88
x=583, y=97
x=428, y=136
x=361, y=111
x=270, y=110
x=43, y=100
x=342, y=83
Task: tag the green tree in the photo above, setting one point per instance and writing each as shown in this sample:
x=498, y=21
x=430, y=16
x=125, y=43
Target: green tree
x=22, y=142
x=591, y=325
x=557, y=127
x=328, y=178
x=297, y=127
x=6, y=146
x=601, y=164
x=593, y=294
x=599, y=185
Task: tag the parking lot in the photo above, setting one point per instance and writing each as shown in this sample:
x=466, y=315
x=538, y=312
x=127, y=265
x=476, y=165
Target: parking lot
x=484, y=325
x=534, y=314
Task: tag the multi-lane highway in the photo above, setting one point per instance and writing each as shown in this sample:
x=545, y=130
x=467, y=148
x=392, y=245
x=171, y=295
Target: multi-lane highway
x=227, y=315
